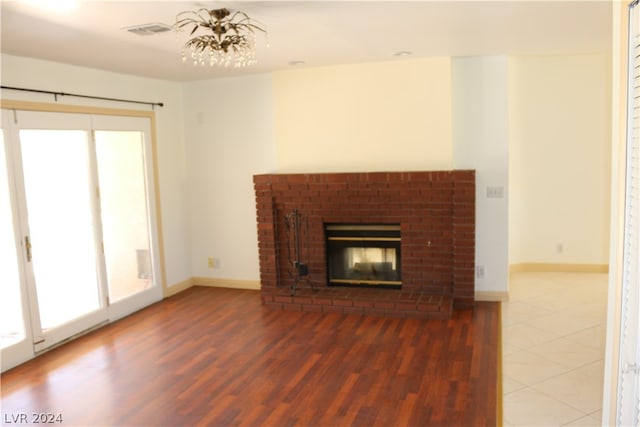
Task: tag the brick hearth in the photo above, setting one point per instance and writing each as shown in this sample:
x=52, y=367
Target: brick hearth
x=436, y=213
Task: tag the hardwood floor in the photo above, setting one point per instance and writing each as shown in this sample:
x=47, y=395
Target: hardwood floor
x=217, y=357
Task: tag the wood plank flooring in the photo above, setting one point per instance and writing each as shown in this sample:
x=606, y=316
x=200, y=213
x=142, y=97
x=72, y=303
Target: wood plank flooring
x=217, y=357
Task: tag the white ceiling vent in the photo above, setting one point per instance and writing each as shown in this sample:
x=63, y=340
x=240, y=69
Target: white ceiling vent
x=148, y=29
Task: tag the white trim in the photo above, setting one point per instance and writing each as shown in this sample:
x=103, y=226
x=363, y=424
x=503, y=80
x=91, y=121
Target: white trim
x=226, y=283
x=492, y=296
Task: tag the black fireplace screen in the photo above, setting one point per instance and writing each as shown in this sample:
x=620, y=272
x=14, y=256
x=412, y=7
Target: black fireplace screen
x=363, y=255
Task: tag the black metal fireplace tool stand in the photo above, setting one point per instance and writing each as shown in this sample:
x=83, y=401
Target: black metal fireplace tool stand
x=297, y=227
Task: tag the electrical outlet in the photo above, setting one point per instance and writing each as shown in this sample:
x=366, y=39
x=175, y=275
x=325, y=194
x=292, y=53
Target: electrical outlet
x=560, y=248
x=495, y=192
x=480, y=271
x=211, y=263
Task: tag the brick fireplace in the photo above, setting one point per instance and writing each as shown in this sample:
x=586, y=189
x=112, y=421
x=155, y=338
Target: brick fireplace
x=436, y=214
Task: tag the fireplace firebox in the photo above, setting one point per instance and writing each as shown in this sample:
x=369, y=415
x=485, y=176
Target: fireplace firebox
x=363, y=255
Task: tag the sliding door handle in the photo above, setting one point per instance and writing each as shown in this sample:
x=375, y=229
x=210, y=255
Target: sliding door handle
x=27, y=246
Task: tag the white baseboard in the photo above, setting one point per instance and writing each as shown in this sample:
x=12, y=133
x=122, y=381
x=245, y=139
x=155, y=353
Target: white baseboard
x=226, y=283
x=542, y=267
x=492, y=296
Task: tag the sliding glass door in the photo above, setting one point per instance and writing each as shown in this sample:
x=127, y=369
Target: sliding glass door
x=84, y=203
x=59, y=227
x=125, y=184
x=60, y=241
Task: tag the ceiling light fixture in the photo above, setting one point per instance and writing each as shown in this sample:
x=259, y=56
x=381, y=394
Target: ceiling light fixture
x=229, y=38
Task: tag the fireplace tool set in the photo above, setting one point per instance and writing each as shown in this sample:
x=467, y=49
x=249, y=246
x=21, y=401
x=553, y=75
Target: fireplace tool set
x=297, y=228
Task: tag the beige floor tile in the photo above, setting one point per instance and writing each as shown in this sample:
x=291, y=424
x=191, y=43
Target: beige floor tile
x=597, y=415
x=586, y=421
x=529, y=407
x=576, y=389
x=520, y=293
x=510, y=385
x=553, y=349
x=593, y=337
x=567, y=353
x=591, y=311
x=508, y=348
x=553, y=301
x=563, y=324
x=525, y=336
x=520, y=311
x=529, y=368
x=593, y=370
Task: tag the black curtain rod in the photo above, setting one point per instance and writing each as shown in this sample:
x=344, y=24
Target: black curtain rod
x=56, y=94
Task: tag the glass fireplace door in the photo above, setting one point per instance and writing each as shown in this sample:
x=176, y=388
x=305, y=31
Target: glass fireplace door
x=363, y=255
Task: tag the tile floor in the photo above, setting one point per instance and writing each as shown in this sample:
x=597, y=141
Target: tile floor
x=553, y=335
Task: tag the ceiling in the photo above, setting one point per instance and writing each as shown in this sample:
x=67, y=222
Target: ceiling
x=317, y=32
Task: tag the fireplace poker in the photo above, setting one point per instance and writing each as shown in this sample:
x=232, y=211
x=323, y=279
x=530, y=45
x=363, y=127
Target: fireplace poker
x=293, y=221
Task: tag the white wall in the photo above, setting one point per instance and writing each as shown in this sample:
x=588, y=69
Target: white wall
x=382, y=116
x=230, y=137
x=46, y=75
x=560, y=133
x=481, y=139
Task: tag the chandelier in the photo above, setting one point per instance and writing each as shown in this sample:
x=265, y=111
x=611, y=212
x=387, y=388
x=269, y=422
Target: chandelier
x=228, y=39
